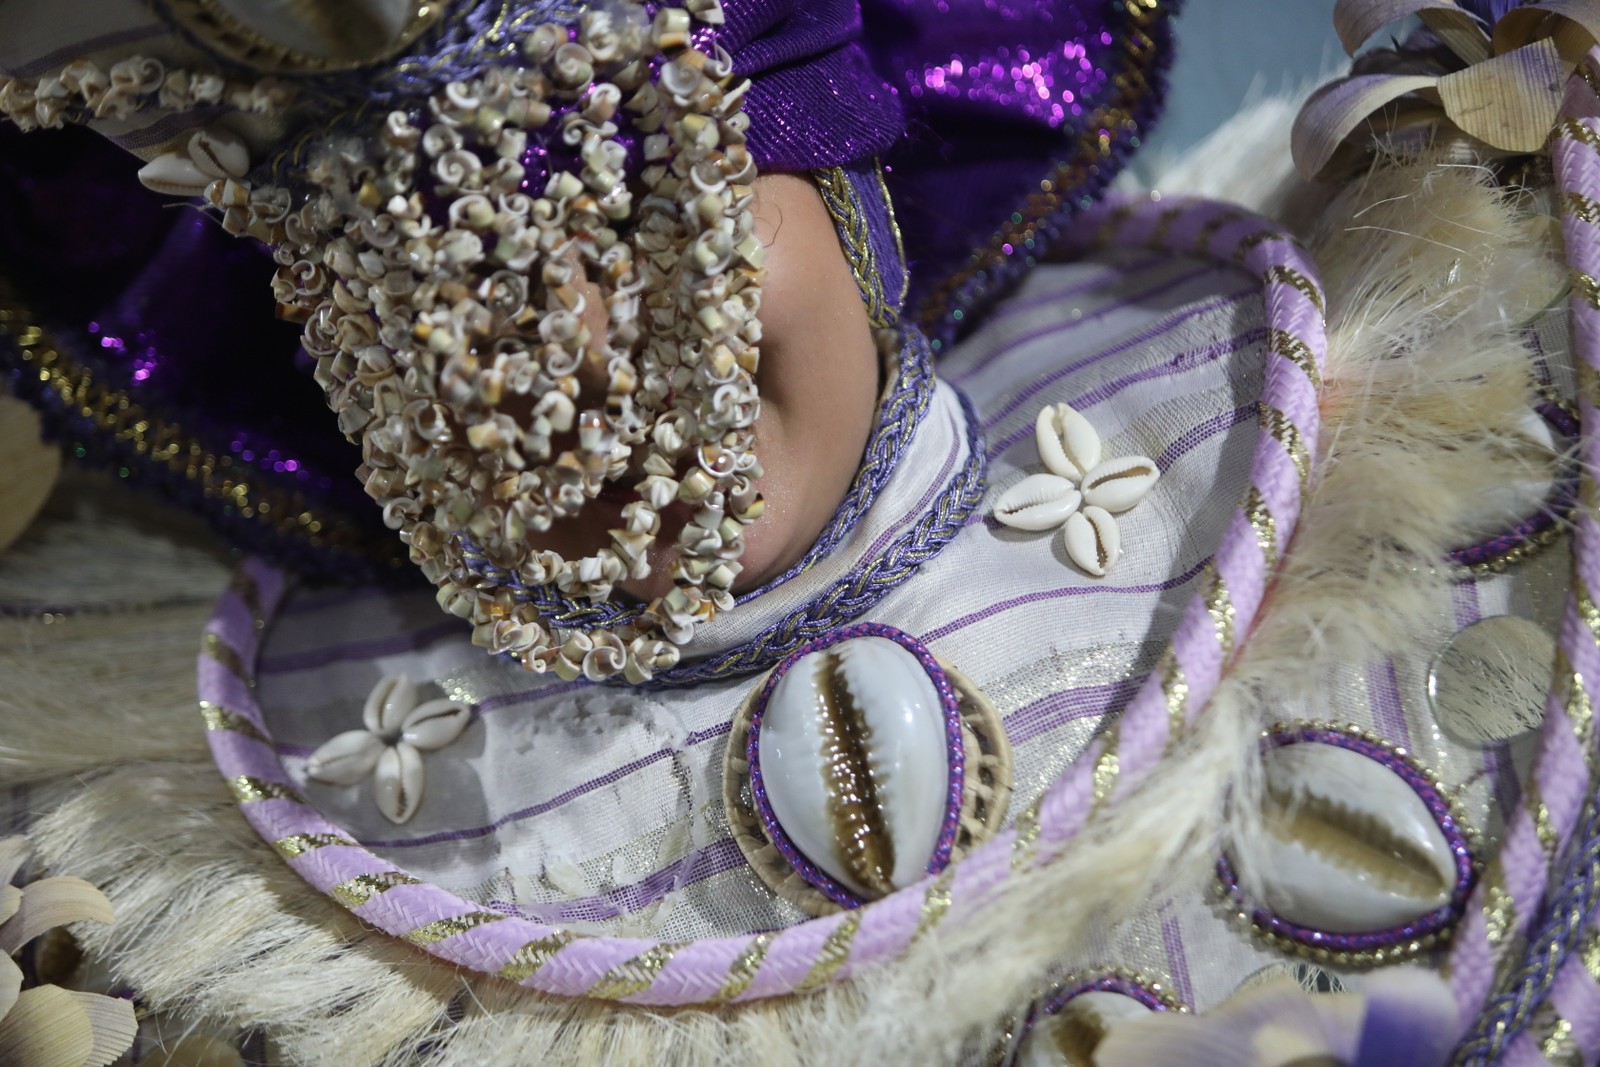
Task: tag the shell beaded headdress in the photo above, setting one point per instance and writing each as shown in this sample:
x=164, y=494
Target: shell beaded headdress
x=446, y=269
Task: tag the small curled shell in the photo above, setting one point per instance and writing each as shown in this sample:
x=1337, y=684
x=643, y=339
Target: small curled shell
x=1068, y=445
x=1038, y=502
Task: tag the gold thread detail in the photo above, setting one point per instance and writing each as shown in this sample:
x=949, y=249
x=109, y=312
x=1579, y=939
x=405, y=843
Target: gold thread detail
x=1163, y=226
x=1281, y=275
x=248, y=789
x=1580, y=207
x=249, y=593
x=1499, y=910
x=1590, y=954
x=1585, y=286
x=531, y=958
x=834, y=953
x=363, y=887
x=742, y=971
x=226, y=656
x=1250, y=242
x=1544, y=827
x=1219, y=605
x=1105, y=772
x=1176, y=688
x=1558, y=1048
x=1208, y=232
x=1023, y=848
x=218, y=717
x=894, y=227
x=935, y=903
x=299, y=844
x=1276, y=423
x=635, y=975
x=1259, y=516
x=1577, y=131
x=443, y=928
x=1295, y=351
x=855, y=237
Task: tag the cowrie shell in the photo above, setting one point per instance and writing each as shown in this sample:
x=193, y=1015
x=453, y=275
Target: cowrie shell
x=174, y=174
x=219, y=153
x=1068, y=445
x=388, y=704
x=1069, y=1037
x=854, y=763
x=346, y=758
x=1119, y=484
x=399, y=782
x=1348, y=847
x=1092, y=540
x=1038, y=502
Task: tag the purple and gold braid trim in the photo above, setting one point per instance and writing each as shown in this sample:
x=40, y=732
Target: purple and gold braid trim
x=1543, y=888
x=751, y=966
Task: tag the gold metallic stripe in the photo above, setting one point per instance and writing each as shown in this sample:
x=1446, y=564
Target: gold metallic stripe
x=1295, y=351
x=936, y=902
x=363, y=887
x=1577, y=131
x=1163, y=226
x=249, y=592
x=1027, y=842
x=1105, y=772
x=1176, y=688
x=1580, y=207
x=443, y=928
x=527, y=960
x=1587, y=74
x=1557, y=1046
x=1587, y=609
x=1219, y=605
x=225, y=655
x=1577, y=705
x=894, y=227
x=1585, y=286
x=1250, y=241
x=635, y=975
x=299, y=844
x=1279, y=274
x=1208, y=232
x=743, y=970
x=1261, y=521
x=218, y=717
x=1108, y=230
x=834, y=953
x=1544, y=827
x=1499, y=910
x=248, y=790
x=1276, y=423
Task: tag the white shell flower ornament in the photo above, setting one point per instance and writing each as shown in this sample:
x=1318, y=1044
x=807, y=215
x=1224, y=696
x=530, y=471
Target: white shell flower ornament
x=1082, y=491
x=397, y=731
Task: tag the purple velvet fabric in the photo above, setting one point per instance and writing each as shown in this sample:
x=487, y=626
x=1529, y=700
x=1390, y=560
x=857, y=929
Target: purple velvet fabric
x=968, y=104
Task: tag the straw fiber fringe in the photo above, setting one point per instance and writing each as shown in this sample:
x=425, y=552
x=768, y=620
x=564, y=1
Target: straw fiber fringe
x=213, y=924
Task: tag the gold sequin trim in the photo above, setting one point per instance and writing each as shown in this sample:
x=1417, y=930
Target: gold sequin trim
x=1261, y=521
x=249, y=592
x=1577, y=131
x=1295, y=351
x=1557, y=1047
x=248, y=789
x=363, y=887
x=1276, y=423
x=225, y=655
x=834, y=953
x=218, y=717
x=742, y=972
x=1022, y=849
x=1105, y=772
x=855, y=237
x=635, y=975
x=1219, y=605
x=527, y=960
x=460, y=924
x=1586, y=287
x=1176, y=688
x=1590, y=954
x=1499, y=910
x=935, y=903
x=1544, y=827
x=1280, y=274
x=1580, y=207
x=299, y=844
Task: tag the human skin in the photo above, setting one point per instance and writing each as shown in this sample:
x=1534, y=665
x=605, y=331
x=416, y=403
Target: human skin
x=818, y=379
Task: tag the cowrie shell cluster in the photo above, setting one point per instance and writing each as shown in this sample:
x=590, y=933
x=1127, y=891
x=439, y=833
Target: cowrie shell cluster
x=397, y=731
x=1349, y=846
x=855, y=763
x=1082, y=491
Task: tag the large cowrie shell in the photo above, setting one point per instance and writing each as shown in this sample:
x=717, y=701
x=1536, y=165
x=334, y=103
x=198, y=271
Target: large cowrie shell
x=1069, y=1036
x=859, y=765
x=1118, y=484
x=219, y=153
x=346, y=758
x=1068, y=445
x=399, y=782
x=174, y=174
x=1038, y=502
x=1092, y=540
x=1357, y=841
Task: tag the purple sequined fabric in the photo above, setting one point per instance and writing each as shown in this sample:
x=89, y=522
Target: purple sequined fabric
x=967, y=104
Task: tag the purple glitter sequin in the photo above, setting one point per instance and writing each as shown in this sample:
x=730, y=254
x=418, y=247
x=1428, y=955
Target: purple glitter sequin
x=955, y=749
x=1431, y=924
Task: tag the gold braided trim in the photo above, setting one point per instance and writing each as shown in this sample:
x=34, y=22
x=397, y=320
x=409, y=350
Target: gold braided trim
x=935, y=903
x=248, y=789
x=1219, y=605
x=742, y=972
x=218, y=717
x=1281, y=275
x=1580, y=207
x=855, y=237
x=214, y=647
x=1276, y=423
x=834, y=952
x=635, y=975
x=1295, y=351
x=443, y=928
x=899, y=242
x=363, y=887
x=1577, y=131
x=1176, y=688
x=1585, y=286
x=118, y=415
x=299, y=844
x=530, y=958
x=1261, y=521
